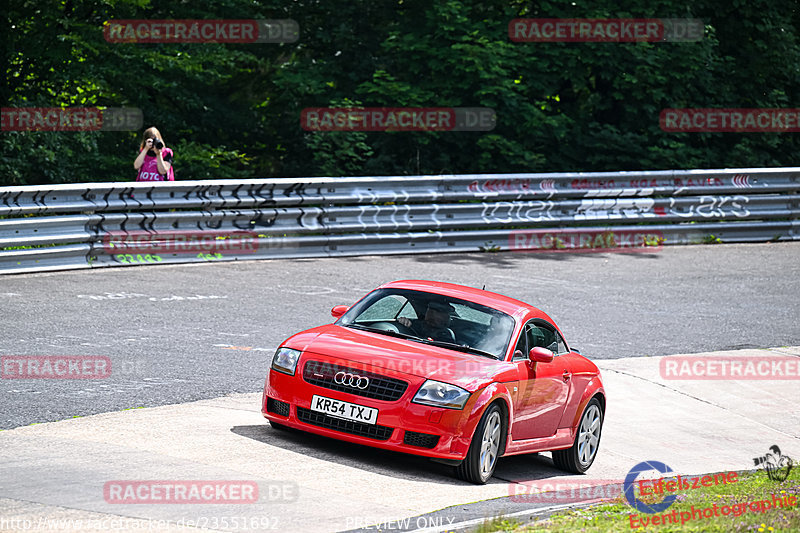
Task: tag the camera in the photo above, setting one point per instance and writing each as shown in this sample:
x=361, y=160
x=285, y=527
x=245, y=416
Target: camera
x=158, y=144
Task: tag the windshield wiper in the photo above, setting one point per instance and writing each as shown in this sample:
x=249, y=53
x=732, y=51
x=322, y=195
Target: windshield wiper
x=460, y=347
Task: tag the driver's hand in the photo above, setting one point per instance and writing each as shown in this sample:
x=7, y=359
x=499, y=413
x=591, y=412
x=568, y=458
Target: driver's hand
x=404, y=321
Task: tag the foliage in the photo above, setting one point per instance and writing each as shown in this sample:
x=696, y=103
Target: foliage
x=233, y=110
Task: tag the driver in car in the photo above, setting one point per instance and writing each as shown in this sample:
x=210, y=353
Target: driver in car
x=434, y=325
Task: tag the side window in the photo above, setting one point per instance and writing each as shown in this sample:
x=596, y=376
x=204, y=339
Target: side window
x=407, y=311
x=539, y=334
x=548, y=337
x=562, y=346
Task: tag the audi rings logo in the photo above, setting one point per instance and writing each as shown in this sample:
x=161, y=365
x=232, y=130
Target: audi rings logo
x=351, y=380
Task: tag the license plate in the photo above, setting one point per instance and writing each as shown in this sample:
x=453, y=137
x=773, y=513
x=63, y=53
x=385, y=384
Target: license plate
x=346, y=410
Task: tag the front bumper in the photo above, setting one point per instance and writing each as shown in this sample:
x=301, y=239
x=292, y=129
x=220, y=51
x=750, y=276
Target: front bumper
x=401, y=425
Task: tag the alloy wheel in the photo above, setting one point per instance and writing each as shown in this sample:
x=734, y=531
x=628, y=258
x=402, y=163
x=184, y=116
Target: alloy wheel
x=589, y=436
x=490, y=443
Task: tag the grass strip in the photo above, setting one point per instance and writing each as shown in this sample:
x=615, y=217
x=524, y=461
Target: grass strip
x=618, y=516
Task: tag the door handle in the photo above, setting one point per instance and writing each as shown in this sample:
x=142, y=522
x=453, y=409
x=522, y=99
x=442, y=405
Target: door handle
x=566, y=375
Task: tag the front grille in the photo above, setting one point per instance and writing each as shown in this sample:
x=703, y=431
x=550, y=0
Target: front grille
x=278, y=407
x=379, y=387
x=322, y=420
x=423, y=440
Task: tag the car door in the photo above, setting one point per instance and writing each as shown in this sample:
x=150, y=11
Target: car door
x=543, y=387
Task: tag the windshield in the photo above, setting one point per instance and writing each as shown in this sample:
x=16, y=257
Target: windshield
x=433, y=318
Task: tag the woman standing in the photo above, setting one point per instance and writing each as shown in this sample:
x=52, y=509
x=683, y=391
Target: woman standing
x=154, y=161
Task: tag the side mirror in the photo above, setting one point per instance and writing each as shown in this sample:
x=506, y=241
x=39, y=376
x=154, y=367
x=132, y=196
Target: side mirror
x=339, y=310
x=540, y=355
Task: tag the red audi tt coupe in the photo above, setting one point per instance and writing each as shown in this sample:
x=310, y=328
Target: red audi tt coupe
x=457, y=374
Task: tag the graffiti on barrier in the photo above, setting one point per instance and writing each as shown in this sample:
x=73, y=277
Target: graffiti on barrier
x=705, y=206
x=615, y=208
x=711, y=207
x=501, y=185
x=530, y=211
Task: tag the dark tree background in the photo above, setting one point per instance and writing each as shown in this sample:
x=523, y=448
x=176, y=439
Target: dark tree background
x=233, y=110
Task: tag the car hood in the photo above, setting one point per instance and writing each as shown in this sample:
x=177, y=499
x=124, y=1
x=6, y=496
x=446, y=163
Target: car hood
x=384, y=352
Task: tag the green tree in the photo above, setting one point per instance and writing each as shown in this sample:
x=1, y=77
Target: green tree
x=233, y=110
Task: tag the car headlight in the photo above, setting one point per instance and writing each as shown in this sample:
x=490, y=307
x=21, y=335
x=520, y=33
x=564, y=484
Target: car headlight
x=438, y=394
x=285, y=360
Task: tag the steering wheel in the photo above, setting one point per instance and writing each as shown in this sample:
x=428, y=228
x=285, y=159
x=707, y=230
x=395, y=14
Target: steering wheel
x=386, y=326
x=405, y=329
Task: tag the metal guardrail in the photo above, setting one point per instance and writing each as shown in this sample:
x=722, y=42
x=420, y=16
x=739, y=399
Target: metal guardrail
x=106, y=224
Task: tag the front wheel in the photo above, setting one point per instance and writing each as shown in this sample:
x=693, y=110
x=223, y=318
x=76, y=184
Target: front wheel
x=484, y=449
x=580, y=456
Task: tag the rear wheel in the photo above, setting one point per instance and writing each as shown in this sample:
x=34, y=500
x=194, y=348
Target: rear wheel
x=580, y=456
x=484, y=449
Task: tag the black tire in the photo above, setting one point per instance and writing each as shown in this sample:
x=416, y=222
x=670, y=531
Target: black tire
x=578, y=458
x=485, y=448
x=279, y=427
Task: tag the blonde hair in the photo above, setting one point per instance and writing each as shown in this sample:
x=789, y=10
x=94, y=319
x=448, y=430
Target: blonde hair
x=151, y=133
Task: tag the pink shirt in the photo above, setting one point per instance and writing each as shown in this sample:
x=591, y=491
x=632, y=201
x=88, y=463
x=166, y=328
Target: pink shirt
x=149, y=169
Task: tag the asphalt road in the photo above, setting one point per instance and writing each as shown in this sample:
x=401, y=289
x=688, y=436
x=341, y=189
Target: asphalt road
x=56, y=474
x=180, y=333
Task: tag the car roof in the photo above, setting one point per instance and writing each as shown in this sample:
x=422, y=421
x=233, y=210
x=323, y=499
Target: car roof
x=479, y=296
